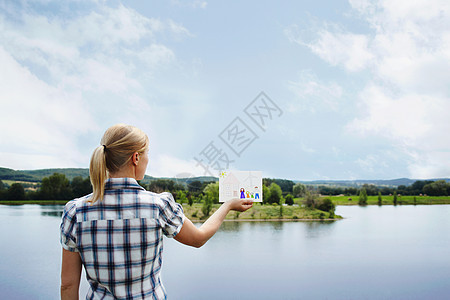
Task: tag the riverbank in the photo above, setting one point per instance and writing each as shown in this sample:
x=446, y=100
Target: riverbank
x=39, y=202
x=264, y=213
x=257, y=213
x=337, y=200
x=272, y=212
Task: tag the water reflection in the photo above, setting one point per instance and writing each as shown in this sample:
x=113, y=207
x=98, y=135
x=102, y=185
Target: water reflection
x=51, y=210
x=228, y=226
x=13, y=210
x=271, y=224
x=315, y=229
x=276, y=225
x=319, y=229
x=235, y=226
x=51, y=213
x=23, y=210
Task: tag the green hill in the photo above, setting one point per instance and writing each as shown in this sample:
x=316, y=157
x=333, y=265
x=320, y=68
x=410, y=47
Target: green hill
x=38, y=175
x=360, y=182
x=10, y=174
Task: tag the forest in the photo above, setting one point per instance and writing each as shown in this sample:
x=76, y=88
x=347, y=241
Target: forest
x=58, y=187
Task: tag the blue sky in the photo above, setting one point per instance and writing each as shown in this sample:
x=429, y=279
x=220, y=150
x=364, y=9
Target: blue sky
x=363, y=86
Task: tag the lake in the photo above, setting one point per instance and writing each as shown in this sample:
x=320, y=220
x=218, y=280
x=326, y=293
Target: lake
x=376, y=252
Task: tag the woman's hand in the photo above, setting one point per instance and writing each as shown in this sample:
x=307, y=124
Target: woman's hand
x=240, y=204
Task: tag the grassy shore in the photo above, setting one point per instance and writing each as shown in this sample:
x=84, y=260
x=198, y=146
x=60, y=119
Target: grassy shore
x=263, y=213
x=272, y=212
x=257, y=212
x=40, y=202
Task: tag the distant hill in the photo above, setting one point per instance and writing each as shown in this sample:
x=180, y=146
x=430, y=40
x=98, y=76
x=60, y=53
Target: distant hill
x=38, y=175
x=185, y=180
x=10, y=174
x=356, y=183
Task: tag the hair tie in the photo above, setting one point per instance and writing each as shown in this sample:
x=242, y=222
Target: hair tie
x=104, y=147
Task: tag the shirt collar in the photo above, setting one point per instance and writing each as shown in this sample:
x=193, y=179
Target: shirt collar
x=122, y=183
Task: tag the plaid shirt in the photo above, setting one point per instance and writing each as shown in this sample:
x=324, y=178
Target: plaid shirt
x=120, y=239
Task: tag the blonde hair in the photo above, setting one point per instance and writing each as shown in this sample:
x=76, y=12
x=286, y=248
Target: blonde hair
x=118, y=144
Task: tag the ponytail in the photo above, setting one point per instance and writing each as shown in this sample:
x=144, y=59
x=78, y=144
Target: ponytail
x=118, y=145
x=97, y=172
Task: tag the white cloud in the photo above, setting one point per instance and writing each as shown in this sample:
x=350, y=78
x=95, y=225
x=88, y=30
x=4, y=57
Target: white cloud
x=164, y=165
x=416, y=124
x=410, y=42
x=407, y=99
x=368, y=163
x=66, y=72
x=405, y=117
x=336, y=47
x=178, y=29
x=312, y=94
x=432, y=164
x=306, y=148
x=156, y=54
x=87, y=48
x=194, y=4
x=38, y=119
x=349, y=50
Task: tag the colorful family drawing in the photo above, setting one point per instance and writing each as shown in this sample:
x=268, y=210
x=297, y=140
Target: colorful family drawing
x=240, y=184
x=247, y=194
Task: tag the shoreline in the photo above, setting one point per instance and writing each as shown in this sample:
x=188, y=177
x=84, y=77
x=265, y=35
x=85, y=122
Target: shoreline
x=63, y=202
x=278, y=220
x=237, y=217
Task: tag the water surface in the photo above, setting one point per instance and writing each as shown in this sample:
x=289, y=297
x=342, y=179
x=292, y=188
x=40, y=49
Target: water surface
x=374, y=253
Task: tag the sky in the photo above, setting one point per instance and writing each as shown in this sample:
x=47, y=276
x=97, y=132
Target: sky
x=302, y=90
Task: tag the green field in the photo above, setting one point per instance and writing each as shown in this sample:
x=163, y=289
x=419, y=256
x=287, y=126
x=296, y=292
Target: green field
x=388, y=200
x=26, y=183
x=337, y=200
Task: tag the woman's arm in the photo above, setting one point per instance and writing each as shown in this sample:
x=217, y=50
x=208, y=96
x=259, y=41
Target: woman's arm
x=197, y=237
x=70, y=275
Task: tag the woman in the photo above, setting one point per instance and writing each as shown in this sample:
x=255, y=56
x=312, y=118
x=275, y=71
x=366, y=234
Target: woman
x=116, y=232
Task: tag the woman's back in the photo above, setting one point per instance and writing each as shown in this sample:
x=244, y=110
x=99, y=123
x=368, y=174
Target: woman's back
x=120, y=239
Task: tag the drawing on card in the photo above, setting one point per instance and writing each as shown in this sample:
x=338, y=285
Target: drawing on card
x=240, y=184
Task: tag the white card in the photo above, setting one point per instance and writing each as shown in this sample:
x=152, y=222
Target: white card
x=240, y=184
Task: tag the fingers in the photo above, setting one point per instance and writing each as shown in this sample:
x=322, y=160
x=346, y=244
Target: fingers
x=241, y=204
x=246, y=204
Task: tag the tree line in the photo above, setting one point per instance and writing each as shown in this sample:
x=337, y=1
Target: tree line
x=275, y=191
x=419, y=187
x=59, y=187
x=54, y=187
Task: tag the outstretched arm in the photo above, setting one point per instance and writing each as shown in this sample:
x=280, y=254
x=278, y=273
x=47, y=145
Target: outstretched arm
x=192, y=236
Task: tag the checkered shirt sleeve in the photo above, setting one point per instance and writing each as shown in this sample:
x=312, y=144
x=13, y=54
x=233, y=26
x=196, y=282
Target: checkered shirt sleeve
x=171, y=215
x=68, y=227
